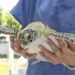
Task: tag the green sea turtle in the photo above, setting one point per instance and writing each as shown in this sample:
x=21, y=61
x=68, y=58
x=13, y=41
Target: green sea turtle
x=35, y=34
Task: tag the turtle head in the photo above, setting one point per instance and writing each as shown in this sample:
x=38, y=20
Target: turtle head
x=26, y=36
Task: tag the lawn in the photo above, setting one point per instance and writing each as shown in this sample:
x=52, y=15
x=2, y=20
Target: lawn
x=4, y=66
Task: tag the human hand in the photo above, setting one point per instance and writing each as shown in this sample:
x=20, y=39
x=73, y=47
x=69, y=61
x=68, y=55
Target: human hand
x=15, y=45
x=65, y=54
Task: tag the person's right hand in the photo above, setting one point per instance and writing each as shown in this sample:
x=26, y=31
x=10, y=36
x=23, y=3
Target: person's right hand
x=15, y=45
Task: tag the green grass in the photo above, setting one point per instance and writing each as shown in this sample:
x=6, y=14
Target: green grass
x=4, y=69
x=4, y=66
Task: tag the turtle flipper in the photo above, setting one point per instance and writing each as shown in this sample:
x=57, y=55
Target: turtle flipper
x=4, y=30
x=35, y=62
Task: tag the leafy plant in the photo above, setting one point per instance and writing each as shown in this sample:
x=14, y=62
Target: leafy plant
x=10, y=22
x=1, y=14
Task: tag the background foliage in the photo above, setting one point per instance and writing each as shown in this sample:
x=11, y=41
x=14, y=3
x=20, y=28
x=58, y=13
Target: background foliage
x=1, y=14
x=9, y=21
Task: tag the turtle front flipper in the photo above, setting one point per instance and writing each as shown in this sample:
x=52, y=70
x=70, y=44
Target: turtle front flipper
x=4, y=30
x=35, y=62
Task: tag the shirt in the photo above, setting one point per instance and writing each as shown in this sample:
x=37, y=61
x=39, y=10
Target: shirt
x=57, y=14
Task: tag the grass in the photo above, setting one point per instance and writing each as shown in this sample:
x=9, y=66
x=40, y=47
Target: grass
x=4, y=70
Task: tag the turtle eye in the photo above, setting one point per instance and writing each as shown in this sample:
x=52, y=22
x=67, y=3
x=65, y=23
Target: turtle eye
x=29, y=37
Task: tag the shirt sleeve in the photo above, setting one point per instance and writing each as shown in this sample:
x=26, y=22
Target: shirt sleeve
x=19, y=12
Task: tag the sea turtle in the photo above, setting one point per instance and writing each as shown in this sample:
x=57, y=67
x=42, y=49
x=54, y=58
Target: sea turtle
x=35, y=34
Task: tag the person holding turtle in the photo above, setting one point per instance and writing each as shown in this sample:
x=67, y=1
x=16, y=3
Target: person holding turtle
x=60, y=16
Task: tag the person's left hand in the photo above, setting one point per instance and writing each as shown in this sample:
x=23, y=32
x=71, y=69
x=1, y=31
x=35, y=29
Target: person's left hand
x=65, y=54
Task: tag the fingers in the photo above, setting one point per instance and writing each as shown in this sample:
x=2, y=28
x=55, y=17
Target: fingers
x=15, y=45
x=52, y=45
x=56, y=49
x=54, y=58
x=61, y=55
x=12, y=41
x=11, y=38
x=71, y=45
x=64, y=46
x=30, y=56
x=43, y=49
x=25, y=54
x=51, y=57
x=62, y=43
